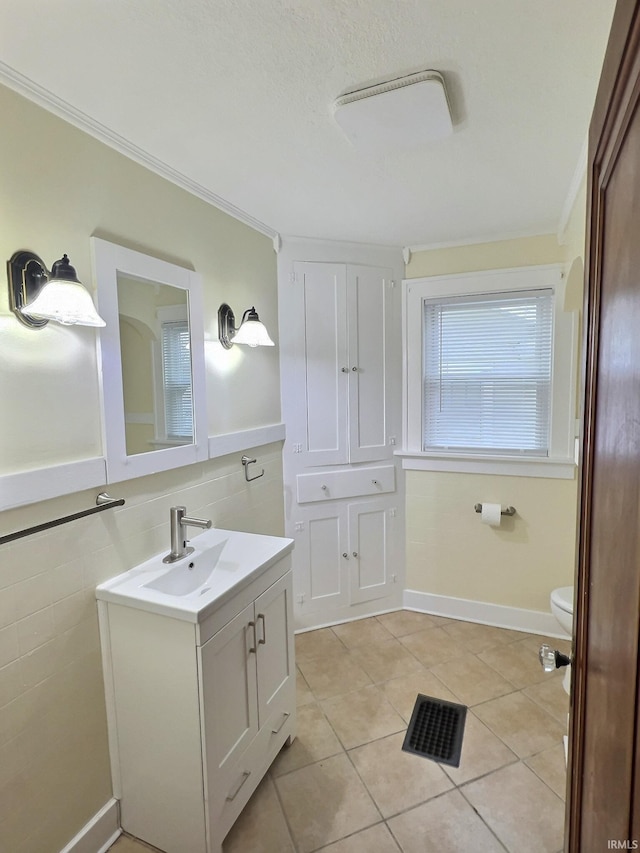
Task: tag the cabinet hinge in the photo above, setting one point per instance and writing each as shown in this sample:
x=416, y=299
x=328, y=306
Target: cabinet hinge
x=300, y=598
x=394, y=578
x=293, y=277
x=299, y=525
x=391, y=283
x=297, y=448
x=392, y=440
x=393, y=511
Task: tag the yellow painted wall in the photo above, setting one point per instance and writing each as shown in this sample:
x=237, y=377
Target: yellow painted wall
x=59, y=186
x=449, y=551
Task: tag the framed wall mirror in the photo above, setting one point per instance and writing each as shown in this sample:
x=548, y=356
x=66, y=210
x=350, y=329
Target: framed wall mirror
x=151, y=356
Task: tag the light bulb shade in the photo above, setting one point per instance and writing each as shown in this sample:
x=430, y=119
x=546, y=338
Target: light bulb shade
x=66, y=302
x=252, y=332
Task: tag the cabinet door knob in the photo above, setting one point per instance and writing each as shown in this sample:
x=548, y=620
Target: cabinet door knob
x=344, y=369
x=375, y=482
x=354, y=369
x=324, y=488
x=345, y=555
x=355, y=553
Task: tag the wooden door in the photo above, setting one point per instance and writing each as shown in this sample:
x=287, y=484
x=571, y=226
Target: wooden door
x=370, y=330
x=603, y=806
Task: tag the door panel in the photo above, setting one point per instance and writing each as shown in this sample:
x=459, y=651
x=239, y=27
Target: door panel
x=368, y=310
x=275, y=665
x=325, y=355
x=604, y=754
x=370, y=545
x=232, y=719
x=319, y=552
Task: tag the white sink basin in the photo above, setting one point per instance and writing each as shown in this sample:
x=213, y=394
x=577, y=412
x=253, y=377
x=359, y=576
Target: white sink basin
x=222, y=562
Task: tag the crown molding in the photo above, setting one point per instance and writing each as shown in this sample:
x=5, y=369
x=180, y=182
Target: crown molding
x=496, y=237
x=50, y=102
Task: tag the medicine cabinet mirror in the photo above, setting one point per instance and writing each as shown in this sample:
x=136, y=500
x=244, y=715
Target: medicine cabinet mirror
x=152, y=362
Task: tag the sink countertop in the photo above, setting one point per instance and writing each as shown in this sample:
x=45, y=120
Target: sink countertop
x=223, y=561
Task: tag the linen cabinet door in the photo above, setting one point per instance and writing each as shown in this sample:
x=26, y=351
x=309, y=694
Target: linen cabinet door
x=321, y=558
x=371, y=541
x=229, y=703
x=275, y=659
x=369, y=309
x=321, y=357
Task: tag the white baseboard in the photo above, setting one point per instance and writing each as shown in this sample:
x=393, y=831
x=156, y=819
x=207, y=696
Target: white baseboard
x=497, y=615
x=99, y=833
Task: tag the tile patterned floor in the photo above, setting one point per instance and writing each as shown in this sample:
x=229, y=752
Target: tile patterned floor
x=345, y=786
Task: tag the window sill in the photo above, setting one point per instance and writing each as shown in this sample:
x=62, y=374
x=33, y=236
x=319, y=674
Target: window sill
x=507, y=466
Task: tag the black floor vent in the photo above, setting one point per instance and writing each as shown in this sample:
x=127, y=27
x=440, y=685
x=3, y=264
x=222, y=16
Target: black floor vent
x=436, y=730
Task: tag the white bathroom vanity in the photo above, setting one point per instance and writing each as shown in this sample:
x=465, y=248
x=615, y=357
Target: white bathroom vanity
x=200, y=682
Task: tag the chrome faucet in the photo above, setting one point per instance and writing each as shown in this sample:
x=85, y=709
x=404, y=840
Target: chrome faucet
x=179, y=522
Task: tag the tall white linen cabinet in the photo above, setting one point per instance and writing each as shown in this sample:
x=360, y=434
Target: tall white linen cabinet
x=341, y=363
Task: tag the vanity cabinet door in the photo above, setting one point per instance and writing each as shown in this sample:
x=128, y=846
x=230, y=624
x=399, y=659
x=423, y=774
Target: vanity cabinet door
x=229, y=701
x=276, y=669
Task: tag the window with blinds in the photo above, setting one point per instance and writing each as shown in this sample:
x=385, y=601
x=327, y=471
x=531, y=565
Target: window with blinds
x=176, y=379
x=487, y=362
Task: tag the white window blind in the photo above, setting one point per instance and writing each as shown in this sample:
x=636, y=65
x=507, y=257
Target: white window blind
x=487, y=373
x=176, y=379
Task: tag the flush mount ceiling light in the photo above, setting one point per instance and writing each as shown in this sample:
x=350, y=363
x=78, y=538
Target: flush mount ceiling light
x=398, y=114
x=250, y=332
x=37, y=296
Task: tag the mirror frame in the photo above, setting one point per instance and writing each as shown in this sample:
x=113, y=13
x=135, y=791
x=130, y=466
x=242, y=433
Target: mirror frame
x=109, y=259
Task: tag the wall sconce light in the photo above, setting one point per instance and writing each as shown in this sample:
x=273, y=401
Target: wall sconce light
x=250, y=332
x=37, y=296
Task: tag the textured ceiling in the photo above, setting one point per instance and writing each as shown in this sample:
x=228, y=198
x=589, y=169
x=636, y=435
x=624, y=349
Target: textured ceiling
x=236, y=96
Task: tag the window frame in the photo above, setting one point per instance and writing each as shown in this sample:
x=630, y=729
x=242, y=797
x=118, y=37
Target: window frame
x=560, y=461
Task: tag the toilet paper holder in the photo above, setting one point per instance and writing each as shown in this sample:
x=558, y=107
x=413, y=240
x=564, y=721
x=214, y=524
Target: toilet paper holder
x=509, y=510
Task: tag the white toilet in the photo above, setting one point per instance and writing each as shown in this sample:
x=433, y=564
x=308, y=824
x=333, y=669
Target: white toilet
x=562, y=609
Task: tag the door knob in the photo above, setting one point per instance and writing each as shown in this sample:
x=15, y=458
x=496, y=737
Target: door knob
x=551, y=659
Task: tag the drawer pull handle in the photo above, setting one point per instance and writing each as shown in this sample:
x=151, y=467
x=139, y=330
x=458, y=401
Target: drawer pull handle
x=263, y=641
x=285, y=717
x=253, y=648
x=233, y=794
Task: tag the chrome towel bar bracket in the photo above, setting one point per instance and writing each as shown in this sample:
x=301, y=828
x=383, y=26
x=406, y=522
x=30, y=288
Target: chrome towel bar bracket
x=246, y=462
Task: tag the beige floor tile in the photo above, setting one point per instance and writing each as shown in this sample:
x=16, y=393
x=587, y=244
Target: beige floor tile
x=332, y=675
x=303, y=692
x=397, y=780
x=482, y=752
x=478, y=638
x=402, y=692
x=524, y=726
x=322, y=643
x=261, y=826
x=517, y=662
x=471, y=679
x=447, y=824
x=376, y=839
x=362, y=716
x=550, y=766
x=361, y=632
x=551, y=696
x=522, y=811
x=403, y=622
x=315, y=740
x=324, y=802
x=386, y=659
x=432, y=646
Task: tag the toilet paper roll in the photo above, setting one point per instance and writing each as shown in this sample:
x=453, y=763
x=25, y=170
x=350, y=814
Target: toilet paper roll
x=491, y=514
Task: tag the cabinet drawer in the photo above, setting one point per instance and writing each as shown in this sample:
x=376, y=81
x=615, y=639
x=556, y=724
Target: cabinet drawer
x=332, y=485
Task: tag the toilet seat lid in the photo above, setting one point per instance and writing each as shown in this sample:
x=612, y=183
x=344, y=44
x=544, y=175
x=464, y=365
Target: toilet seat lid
x=563, y=598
